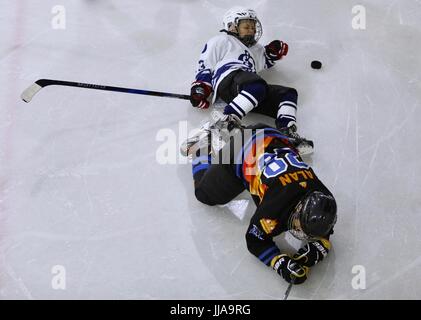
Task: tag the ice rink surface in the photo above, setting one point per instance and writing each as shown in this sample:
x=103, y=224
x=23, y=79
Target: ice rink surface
x=82, y=190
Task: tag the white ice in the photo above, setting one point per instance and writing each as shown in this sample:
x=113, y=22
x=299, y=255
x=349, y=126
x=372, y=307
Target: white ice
x=81, y=188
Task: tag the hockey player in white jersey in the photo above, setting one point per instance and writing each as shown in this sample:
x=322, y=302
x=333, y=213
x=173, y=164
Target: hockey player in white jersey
x=228, y=67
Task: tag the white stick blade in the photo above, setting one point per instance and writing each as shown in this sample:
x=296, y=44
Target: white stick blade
x=29, y=93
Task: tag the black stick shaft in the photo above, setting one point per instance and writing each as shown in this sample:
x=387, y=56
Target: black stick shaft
x=47, y=82
x=288, y=291
x=31, y=91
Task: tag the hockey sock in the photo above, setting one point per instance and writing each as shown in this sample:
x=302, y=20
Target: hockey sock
x=199, y=166
x=287, y=110
x=248, y=98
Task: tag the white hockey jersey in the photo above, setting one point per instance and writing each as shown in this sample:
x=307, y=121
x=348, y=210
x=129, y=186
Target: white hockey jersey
x=224, y=54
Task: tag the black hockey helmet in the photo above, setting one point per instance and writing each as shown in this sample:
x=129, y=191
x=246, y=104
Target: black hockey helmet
x=314, y=216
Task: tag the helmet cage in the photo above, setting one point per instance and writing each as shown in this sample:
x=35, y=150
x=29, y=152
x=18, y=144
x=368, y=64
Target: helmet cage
x=294, y=224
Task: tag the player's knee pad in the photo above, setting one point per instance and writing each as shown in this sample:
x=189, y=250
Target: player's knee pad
x=203, y=197
x=258, y=89
x=290, y=95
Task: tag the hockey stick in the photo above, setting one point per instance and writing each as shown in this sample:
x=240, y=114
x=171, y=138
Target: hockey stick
x=287, y=291
x=289, y=288
x=31, y=91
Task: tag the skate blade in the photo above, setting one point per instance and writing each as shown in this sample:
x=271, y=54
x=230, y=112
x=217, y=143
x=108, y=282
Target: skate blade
x=305, y=149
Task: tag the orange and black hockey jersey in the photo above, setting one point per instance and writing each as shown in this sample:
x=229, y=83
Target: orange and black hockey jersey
x=277, y=178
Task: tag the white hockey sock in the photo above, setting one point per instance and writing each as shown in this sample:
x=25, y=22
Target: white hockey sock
x=242, y=104
x=287, y=112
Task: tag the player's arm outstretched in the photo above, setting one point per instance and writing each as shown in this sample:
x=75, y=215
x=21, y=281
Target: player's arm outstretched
x=260, y=243
x=263, y=227
x=274, y=51
x=293, y=269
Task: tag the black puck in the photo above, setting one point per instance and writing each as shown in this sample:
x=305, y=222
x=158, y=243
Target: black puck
x=316, y=64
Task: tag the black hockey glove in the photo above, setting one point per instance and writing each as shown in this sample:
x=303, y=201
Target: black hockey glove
x=199, y=93
x=276, y=50
x=289, y=269
x=312, y=253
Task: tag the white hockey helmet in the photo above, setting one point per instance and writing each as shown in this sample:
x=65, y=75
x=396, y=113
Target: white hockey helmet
x=234, y=15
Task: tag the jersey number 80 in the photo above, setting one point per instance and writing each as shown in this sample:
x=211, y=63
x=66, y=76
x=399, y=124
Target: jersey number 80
x=273, y=165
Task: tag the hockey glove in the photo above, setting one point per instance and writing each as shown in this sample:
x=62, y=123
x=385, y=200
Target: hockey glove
x=289, y=269
x=312, y=253
x=276, y=50
x=199, y=93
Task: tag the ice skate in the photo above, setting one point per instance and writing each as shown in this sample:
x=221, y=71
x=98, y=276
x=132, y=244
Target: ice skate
x=304, y=146
x=198, y=140
x=214, y=133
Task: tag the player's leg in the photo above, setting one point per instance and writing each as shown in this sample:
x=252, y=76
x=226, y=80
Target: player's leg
x=242, y=91
x=281, y=104
x=214, y=176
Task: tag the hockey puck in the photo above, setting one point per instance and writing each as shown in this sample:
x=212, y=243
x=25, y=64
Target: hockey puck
x=316, y=64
